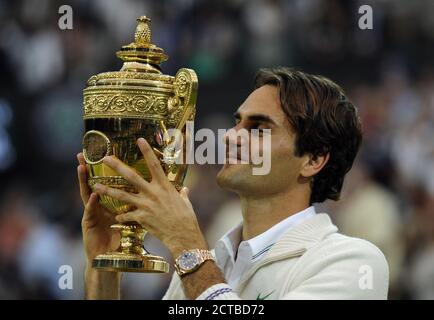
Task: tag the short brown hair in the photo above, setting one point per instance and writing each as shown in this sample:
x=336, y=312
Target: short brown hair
x=324, y=121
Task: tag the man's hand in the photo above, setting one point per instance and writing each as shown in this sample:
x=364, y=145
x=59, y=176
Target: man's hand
x=160, y=209
x=166, y=214
x=98, y=238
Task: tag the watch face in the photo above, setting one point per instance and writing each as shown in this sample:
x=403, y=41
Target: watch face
x=188, y=260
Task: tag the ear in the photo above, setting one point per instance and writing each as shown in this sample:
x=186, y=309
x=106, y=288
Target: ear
x=312, y=166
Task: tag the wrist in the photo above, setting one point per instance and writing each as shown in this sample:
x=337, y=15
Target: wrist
x=101, y=284
x=92, y=274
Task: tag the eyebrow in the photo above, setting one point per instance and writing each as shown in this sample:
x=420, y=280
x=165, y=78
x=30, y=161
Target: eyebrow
x=258, y=117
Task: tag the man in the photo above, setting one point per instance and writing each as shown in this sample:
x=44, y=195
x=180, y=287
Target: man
x=283, y=249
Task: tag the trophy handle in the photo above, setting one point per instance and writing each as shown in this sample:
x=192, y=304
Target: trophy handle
x=182, y=106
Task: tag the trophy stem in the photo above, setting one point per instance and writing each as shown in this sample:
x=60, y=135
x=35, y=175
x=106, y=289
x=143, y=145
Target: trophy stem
x=130, y=256
x=132, y=236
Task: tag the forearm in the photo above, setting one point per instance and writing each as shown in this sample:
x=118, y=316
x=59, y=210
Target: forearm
x=206, y=276
x=101, y=285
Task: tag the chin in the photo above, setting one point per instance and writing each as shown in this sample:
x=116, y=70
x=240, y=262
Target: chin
x=236, y=177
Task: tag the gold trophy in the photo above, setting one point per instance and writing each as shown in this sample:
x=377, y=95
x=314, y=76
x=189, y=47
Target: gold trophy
x=121, y=106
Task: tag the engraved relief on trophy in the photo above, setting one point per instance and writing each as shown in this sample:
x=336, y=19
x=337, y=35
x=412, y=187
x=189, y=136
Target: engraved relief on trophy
x=96, y=145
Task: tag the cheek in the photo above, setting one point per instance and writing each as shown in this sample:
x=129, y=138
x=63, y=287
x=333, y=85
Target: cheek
x=283, y=160
x=258, y=146
x=261, y=146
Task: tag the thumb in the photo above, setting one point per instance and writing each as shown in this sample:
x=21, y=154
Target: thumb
x=90, y=215
x=184, y=195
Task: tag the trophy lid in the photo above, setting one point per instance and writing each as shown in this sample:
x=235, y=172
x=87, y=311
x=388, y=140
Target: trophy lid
x=142, y=61
x=140, y=89
x=142, y=50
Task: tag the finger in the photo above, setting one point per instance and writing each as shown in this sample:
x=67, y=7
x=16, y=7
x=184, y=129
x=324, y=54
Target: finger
x=127, y=172
x=90, y=215
x=131, y=216
x=117, y=194
x=184, y=195
x=92, y=211
x=152, y=161
x=80, y=158
x=82, y=180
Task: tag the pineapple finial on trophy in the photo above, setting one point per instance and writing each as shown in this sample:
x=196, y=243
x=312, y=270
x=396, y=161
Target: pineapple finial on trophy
x=142, y=50
x=143, y=32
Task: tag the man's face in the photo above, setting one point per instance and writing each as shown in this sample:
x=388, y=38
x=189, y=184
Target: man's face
x=262, y=110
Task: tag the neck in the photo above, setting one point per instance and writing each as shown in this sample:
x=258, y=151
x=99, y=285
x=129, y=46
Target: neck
x=261, y=213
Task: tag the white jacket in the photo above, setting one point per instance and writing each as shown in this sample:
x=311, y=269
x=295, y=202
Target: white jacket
x=310, y=261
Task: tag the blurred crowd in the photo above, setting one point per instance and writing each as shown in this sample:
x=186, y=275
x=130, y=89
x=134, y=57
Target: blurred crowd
x=388, y=197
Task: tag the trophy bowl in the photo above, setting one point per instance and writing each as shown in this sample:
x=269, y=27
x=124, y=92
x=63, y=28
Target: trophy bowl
x=118, y=108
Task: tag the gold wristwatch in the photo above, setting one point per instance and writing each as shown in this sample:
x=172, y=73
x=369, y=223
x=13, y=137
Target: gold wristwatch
x=190, y=260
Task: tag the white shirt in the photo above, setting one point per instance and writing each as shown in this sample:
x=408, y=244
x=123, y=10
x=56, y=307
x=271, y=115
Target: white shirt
x=251, y=251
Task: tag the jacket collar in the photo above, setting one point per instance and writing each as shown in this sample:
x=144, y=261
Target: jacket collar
x=304, y=236
x=295, y=242
x=227, y=247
